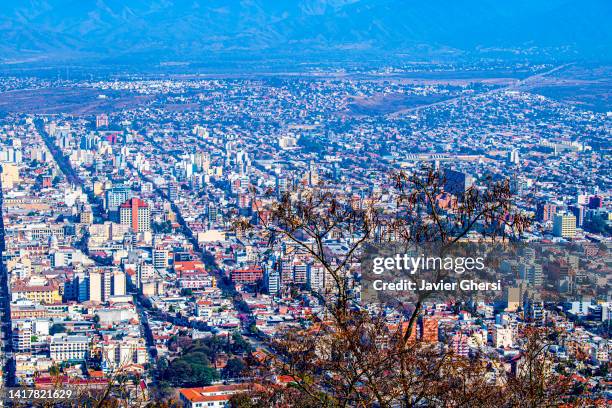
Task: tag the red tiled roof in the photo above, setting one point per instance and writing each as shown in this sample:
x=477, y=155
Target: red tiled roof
x=137, y=202
x=188, y=265
x=202, y=394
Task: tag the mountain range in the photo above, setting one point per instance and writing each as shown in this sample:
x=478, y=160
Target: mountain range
x=192, y=30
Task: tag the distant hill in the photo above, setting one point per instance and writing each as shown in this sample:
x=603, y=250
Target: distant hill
x=199, y=30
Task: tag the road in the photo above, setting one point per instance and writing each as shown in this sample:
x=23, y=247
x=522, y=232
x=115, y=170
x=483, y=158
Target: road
x=72, y=176
x=146, y=332
x=515, y=85
x=62, y=161
x=5, y=307
x=205, y=256
x=66, y=168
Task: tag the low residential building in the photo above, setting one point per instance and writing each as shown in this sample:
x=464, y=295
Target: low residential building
x=214, y=396
x=65, y=347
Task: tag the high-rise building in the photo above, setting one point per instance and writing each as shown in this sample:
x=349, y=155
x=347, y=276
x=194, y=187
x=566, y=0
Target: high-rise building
x=118, y=283
x=86, y=216
x=513, y=298
x=22, y=336
x=96, y=286
x=564, y=226
x=286, y=272
x=595, y=202
x=545, y=211
x=534, y=309
x=212, y=213
x=101, y=120
x=457, y=182
x=88, y=142
x=287, y=142
x=11, y=155
x=282, y=185
x=202, y=161
x=513, y=156
x=502, y=337
x=76, y=287
x=460, y=344
x=145, y=272
x=272, y=280
x=429, y=329
x=116, y=196
x=105, y=283
x=9, y=174
x=535, y=275
x=313, y=174
x=173, y=191
x=300, y=272
x=160, y=258
x=316, y=277
x=579, y=211
x=244, y=201
x=243, y=162
x=135, y=213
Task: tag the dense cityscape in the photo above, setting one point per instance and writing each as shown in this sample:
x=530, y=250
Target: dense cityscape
x=121, y=254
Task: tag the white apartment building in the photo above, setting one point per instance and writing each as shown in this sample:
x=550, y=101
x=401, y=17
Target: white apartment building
x=65, y=347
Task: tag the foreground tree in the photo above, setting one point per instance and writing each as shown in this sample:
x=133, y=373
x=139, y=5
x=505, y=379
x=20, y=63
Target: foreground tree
x=349, y=356
x=533, y=383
